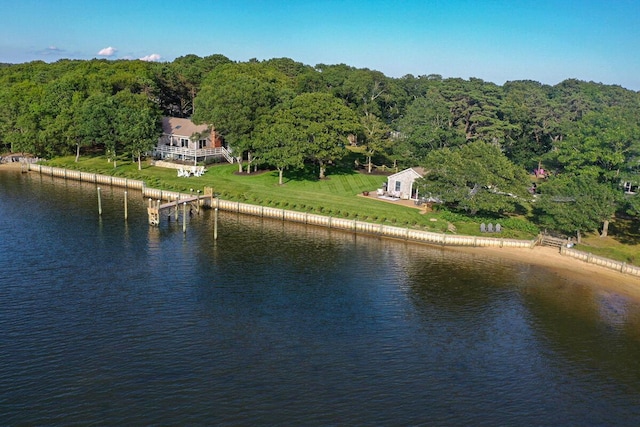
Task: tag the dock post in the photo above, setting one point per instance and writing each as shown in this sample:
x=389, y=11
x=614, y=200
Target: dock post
x=126, y=210
x=99, y=202
x=215, y=224
x=184, y=217
x=198, y=203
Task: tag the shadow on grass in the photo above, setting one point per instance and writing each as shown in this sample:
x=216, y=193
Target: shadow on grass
x=626, y=231
x=311, y=173
x=306, y=174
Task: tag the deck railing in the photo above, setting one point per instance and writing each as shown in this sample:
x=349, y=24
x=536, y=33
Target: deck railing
x=184, y=152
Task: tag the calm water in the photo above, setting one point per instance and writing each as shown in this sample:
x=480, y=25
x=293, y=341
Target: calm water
x=107, y=322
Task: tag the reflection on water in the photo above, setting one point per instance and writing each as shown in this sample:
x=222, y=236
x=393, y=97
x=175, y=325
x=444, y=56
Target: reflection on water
x=114, y=322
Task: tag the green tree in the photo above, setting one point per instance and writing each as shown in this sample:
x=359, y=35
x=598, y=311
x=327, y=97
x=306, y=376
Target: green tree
x=428, y=125
x=325, y=122
x=98, y=124
x=61, y=107
x=601, y=144
x=474, y=177
x=376, y=137
x=182, y=79
x=235, y=98
x=280, y=143
x=632, y=205
x=532, y=124
x=575, y=204
x=21, y=116
x=137, y=124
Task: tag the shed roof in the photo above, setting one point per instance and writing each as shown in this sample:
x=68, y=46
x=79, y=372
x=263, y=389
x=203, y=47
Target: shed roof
x=181, y=127
x=419, y=172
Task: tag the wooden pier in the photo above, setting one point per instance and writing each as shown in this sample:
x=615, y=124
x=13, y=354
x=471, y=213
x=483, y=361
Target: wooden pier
x=156, y=208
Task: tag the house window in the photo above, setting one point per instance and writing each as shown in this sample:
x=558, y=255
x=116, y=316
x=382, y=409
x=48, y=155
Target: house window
x=184, y=142
x=202, y=143
x=398, y=185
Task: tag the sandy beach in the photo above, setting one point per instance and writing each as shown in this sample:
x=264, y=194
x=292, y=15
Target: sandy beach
x=10, y=166
x=570, y=268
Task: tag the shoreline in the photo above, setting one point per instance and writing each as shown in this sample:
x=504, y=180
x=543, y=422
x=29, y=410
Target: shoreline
x=592, y=275
x=11, y=166
x=575, y=270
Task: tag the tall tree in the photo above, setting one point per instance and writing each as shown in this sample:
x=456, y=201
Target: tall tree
x=325, y=123
x=531, y=124
x=280, y=143
x=97, y=124
x=429, y=125
x=377, y=138
x=235, y=98
x=475, y=177
x=21, y=116
x=601, y=144
x=575, y=204
x=137, y=124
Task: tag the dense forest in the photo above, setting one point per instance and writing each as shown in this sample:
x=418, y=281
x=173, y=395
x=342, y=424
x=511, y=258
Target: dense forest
x=479, y=141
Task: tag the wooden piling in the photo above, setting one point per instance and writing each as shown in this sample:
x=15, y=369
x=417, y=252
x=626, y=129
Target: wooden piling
x=184, y=217
x=215, y=224
x=126, y=210
x=99, y=202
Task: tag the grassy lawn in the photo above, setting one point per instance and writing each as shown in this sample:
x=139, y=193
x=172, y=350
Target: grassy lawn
x=622, y=244
x=337, y=195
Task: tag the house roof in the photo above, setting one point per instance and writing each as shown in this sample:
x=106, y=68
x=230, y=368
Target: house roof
x=417, y=171
x=181, y=127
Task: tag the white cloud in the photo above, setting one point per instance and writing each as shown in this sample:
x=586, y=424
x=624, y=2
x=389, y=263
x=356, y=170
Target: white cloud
x=107, y=51
x=151, y=58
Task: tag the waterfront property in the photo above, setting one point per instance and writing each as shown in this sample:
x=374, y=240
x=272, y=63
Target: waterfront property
x=183, y=140
x=345, y=224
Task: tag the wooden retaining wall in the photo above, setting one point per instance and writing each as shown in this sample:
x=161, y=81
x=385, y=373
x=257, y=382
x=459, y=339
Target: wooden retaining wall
x=370, y=228
x=152, y=193
x=88, y=177
x=620, y=266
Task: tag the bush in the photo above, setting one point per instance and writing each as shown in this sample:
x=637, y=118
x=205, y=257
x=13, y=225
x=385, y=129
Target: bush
x=519, y=224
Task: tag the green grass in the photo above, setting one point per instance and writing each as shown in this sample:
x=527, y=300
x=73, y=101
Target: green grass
x=623, y=243
x=336, y=195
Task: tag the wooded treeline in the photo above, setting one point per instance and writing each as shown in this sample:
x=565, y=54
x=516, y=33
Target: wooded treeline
x=477, y=139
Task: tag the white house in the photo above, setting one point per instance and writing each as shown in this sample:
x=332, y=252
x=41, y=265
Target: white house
x=183, y=140
x=401, y=184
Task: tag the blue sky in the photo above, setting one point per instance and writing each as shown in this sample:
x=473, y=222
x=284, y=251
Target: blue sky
x=495, y=40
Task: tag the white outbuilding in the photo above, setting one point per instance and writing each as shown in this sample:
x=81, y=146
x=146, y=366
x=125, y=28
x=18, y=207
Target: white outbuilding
x=401, y=184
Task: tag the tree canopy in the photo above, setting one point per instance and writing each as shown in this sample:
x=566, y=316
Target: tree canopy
x=474, y=177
